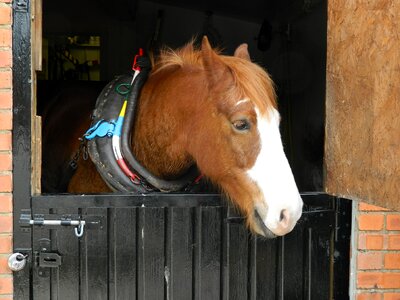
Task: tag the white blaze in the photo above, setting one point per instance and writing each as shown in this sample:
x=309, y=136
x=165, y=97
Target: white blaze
x=274, y=177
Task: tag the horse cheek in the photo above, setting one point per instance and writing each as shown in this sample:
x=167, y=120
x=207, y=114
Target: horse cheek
x=246, y=149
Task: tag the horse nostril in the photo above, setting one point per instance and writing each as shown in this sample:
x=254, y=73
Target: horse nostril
x=284, y=218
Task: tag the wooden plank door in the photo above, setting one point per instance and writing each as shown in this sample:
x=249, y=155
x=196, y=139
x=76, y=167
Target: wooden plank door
x=362, y=149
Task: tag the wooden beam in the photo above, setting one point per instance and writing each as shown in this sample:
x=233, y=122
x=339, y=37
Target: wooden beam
x=37, y=35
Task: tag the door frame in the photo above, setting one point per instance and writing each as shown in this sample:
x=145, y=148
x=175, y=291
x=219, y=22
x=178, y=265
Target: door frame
x=22, y=136
x=23, y=93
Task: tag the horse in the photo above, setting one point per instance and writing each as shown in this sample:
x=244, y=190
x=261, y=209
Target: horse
x=217, y=112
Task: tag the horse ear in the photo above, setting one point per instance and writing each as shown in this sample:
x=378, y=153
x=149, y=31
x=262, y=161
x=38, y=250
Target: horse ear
x=242, y=52
x=212, y=63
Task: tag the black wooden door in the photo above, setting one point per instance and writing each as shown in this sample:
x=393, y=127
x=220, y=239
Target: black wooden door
x=185, y=247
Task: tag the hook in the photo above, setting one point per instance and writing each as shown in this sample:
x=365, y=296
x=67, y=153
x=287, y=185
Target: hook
x=79, y=229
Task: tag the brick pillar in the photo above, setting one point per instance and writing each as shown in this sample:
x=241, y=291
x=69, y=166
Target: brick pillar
x=6, y=286
x=377, y=253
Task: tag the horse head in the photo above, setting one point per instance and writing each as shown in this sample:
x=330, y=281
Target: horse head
x=237, y=143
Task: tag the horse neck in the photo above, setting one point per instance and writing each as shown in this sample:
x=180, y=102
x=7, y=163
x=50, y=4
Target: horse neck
x=168, y=102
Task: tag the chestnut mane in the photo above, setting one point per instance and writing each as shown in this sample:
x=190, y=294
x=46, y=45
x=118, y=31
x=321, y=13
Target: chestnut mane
x=250, y=79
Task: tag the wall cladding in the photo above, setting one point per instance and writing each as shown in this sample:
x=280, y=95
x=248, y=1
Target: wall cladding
x=363, y=90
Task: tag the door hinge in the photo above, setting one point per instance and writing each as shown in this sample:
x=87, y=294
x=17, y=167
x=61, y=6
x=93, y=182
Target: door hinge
x=21, y=5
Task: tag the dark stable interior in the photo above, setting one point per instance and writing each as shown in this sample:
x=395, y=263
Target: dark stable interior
x=96, y=39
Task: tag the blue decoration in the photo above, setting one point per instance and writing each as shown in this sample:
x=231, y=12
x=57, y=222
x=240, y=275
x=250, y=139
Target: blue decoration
x=101, y=129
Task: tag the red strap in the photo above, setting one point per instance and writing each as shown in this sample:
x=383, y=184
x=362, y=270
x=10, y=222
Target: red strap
x=198, y=178
x=132, y=176
x=135, y=67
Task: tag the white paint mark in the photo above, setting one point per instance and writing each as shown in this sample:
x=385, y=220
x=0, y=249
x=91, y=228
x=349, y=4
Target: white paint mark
x=167, y=275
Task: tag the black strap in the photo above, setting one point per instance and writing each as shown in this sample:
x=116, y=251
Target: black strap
x=100, y=150
x=108, y=105
x=161, y=184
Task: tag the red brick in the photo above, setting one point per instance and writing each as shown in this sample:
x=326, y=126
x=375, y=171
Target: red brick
x=6, y=285
x=394, y=242
x=5, y=141
x=5, y=161
x=5, y=223
x=6, y=1
x=391, y=296
x=4, y=269
x=373, y=280
x=6, y=120
x=390, y=281
x=5, y=99
x=370, y=241
x=392, y=261
x=370, y=222
x=393, y=222
x=5, y=244
x=369, y=279
x=5, y=59
x=369, y=296
x=5, y=37
x=374, y=242
x=5, y=79
x=369, y=260
x=5, y=183
x=362, y=241
x=369, y=207
x=5, y=203
x=5, y=15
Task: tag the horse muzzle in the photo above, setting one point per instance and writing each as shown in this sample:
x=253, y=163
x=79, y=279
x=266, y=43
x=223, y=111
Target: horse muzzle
x=277, y=223
x=261, y=228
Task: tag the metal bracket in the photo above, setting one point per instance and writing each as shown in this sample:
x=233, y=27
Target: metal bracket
x=49, y=259
x=46, y=257
x=21, y=5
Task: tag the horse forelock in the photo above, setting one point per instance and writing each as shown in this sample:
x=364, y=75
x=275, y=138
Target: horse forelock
x=252, y=81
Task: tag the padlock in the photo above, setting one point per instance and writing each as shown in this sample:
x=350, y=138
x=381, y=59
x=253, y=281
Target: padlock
x=16, y=261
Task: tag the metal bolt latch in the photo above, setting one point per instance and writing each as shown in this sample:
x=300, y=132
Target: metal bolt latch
x=25, y=220
x=17, y=261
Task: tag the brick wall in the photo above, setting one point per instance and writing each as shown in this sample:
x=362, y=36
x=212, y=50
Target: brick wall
x=377, y=255
x=6, y=286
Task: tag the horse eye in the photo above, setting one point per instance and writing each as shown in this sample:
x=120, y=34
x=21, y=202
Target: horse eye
x=241, y=125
